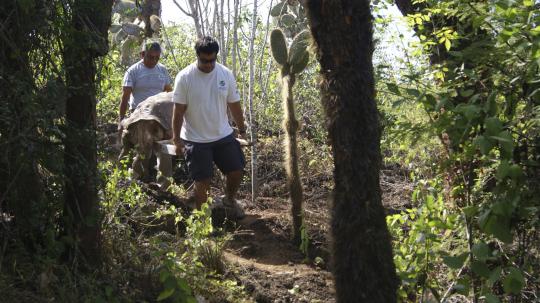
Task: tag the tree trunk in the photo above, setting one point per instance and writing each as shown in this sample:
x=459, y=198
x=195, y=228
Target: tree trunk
x=90, y=20
x=21, y=187
x=222, y=37
x=193, y=7
x=361, y=246
x=252, y=130
x=235, y=36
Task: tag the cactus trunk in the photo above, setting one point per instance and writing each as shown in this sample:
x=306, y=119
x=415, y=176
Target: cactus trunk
x=290, y=124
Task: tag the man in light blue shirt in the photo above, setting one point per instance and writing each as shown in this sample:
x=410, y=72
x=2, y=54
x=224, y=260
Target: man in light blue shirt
x=144, y=79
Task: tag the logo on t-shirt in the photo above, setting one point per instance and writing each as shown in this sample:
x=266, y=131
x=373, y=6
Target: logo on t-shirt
x=221, y=84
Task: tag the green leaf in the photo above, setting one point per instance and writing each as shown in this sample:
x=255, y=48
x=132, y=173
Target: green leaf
x=490, y=107
x=494, y=276
x=500, y=228
x=430, y=102
x=108, y=290
x=503, y=170
x=484, y=144
x=470, y=211
x=496, y=225
x=514, y=281
x=467, y=93
x=182, y=283
x=493, y=126
x=536, y=30
x=163, y=275
x=392, y=87
x=481, y=251
x=515, y=172
x=480, y=268
x=447, y=44
x=413, y=92
x=506, y=142
x=455, y=262
x=470, y=111
x=463, y=286
x=165, y=294
x=491, y=298
x=503, y=208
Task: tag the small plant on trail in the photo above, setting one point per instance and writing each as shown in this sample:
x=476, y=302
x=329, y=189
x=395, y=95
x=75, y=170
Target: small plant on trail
x=199, y=263
x=304, y=243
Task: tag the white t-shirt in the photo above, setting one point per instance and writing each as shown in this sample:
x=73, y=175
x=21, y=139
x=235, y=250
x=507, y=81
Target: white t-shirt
x=145, y=82
x=206, y=96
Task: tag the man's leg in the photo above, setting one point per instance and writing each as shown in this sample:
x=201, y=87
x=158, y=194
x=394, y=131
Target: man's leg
x=199, y=161
x=201, y=192
x=230, y=160
x=232, y=184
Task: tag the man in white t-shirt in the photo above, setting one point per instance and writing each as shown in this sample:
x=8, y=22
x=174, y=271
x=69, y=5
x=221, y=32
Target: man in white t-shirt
x=203, y=91
x=144, y=79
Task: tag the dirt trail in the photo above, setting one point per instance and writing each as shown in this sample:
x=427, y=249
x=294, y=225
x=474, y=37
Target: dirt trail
x=260, y=253
x=271, y=268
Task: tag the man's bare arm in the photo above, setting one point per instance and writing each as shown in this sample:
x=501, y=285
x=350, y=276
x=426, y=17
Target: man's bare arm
x=238, y=116
x=178, y=118
x=126, y=93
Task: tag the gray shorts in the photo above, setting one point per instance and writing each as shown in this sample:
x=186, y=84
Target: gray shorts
x=226, y=153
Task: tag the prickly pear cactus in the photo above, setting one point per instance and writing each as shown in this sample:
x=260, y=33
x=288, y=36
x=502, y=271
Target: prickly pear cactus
x=290, y=16
x=278, y=9
x=298, y=67
x=293, y=60
x=298, y=48
x=278, y=46
x=129, y=25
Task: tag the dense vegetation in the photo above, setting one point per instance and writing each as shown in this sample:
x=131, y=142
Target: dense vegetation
x=458, y=92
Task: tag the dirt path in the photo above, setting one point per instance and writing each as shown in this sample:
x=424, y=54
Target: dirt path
x=271, y=268
x=260, y=253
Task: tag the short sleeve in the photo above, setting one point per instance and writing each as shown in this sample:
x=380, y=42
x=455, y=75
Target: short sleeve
x=180, y=89
x=129, y=79
x=232, y=95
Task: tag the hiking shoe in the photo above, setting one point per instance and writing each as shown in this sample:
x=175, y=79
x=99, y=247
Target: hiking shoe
x=236, y=209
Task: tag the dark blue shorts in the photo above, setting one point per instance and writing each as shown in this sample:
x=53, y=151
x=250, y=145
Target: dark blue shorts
x=226, y=153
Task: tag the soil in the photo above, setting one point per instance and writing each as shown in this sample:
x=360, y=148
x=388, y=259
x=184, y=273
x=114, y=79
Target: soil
x=261, y=255
x=269, y=266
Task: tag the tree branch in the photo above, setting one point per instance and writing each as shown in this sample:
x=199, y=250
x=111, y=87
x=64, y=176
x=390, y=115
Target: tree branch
x=183, y=11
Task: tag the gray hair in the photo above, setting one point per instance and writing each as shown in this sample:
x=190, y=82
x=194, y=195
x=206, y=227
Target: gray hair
x=151, y=46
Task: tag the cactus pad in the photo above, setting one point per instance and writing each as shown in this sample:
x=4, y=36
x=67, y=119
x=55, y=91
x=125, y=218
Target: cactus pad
x=278, y=46
x=299, y=47
x=301, y=65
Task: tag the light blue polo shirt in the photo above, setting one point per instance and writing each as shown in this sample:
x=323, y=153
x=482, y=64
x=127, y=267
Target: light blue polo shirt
x=145, y=82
